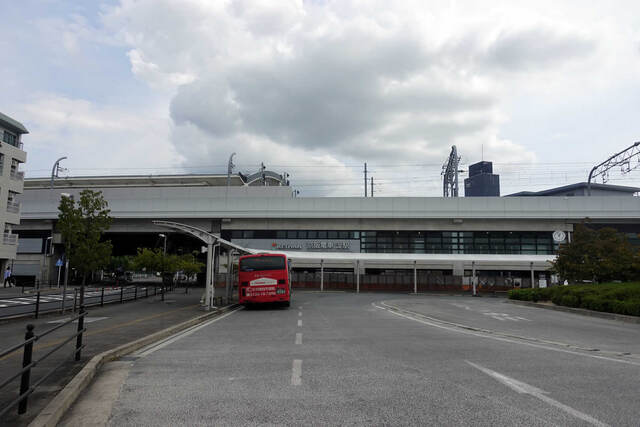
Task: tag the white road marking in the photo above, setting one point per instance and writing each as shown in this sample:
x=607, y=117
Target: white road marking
x=299, y=322
x=505, y=316
x=299, y=313
x=14, y=302
x=296, y=372
x=86, y=320
x=466, y=307
x=173, y=338
x=463, y=329
x=524, y=388
x=299, y=338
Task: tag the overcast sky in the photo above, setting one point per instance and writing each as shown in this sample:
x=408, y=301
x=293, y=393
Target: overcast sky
x=316, y=88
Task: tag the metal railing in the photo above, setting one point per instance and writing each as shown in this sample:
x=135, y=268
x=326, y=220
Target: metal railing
x=16, y=175
x=10, y=239
x=28, y=362
x=13, y=206
x=93, y=297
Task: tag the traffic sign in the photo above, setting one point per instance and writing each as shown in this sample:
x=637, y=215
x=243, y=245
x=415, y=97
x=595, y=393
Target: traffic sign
x=59, y=263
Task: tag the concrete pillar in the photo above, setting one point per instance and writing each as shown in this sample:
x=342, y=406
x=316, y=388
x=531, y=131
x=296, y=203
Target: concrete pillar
x=207, y=285
x=321, y=275
x=415, y=278
x=357, y=270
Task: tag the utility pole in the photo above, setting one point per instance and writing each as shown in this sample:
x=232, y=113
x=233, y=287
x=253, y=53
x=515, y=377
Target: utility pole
x=365, y=179
x=371, y=186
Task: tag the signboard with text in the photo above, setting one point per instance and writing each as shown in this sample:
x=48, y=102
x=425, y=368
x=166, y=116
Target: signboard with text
x=303, y=245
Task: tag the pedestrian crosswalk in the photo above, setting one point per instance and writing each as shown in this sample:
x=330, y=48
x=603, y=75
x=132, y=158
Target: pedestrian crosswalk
x=49, y=298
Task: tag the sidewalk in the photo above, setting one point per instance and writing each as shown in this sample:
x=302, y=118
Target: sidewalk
x=107, y=327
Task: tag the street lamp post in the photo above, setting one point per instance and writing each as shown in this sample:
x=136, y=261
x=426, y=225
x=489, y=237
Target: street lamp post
x=66, y=263
x=164, y=255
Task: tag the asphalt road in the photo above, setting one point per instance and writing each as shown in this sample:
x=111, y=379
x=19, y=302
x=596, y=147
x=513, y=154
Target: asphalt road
x=372, y=359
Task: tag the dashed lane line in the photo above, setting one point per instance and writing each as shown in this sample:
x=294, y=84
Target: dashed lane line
x=299, y=322
x=296, y=372
x=299, y=338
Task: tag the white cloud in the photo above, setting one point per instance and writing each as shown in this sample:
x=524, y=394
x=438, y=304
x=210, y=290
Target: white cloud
x=94, y=137
x=339, y=82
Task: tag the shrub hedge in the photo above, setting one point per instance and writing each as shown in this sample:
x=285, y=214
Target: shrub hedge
x=620, y=298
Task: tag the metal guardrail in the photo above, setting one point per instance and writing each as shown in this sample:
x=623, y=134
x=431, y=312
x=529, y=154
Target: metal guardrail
x=13, y=207
x=10, y=239
x=122, y=294
x=16, y=176
x=28, y=362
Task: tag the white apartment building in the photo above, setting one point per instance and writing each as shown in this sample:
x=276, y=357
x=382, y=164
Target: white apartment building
x=12, y=156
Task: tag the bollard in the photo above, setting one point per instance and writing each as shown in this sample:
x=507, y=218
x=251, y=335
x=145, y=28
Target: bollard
x=162, y=293
x=37, y=304
x=146, y=291
x=121, y=294
x=79, y=337
x=102, y=297
x=135, y=294
x=26, y=375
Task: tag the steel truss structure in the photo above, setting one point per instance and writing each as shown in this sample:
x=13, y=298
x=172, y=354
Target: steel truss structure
x=623, y=159
x=450, y=174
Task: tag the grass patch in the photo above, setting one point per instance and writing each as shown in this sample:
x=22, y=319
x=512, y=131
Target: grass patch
x=619, y=298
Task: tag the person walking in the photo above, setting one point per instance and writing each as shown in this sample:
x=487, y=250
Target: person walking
x=7, y=277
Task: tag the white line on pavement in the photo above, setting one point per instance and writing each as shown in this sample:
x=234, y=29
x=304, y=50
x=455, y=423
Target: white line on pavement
x=299, y=338
x=157, y=346
x=524, y=388
x=296, y=372
x=299, y=322
x=299, y=313
x=459, y=329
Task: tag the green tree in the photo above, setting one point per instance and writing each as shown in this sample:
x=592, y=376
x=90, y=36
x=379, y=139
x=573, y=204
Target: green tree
x=82, y=224
x=157, y=260
x=597, y=255
x=190, y=265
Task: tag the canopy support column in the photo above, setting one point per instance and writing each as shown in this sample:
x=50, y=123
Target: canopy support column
x=207, y=287
x=532, y=276
x=473, y=278
x=321, y=275
x=415, y=277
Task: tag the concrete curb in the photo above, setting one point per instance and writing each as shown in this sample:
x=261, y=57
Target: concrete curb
x=55, y=410
x=582, y=311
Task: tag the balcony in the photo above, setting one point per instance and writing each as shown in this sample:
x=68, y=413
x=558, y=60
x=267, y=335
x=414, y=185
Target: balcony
x=16, y=175
x=13, y=207
x=10, y=239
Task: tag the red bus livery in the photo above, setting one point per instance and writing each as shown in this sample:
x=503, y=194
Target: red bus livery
x=264, y=278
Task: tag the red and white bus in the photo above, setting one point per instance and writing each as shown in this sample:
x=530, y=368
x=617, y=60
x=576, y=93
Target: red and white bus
x=264, y=278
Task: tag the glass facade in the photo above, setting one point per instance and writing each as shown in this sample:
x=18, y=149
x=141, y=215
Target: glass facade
x=430, y=242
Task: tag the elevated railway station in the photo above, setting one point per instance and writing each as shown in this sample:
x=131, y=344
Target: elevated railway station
x=508, y=239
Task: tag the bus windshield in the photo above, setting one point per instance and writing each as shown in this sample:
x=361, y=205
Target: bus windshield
x=262, y=263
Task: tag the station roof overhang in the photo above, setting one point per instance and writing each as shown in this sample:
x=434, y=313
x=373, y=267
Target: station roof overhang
x=466, y=261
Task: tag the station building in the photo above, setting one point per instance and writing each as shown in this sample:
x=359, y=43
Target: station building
x=506, y=239
x=12, y=157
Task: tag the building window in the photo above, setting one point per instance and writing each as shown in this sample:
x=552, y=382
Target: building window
x=10, y=138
